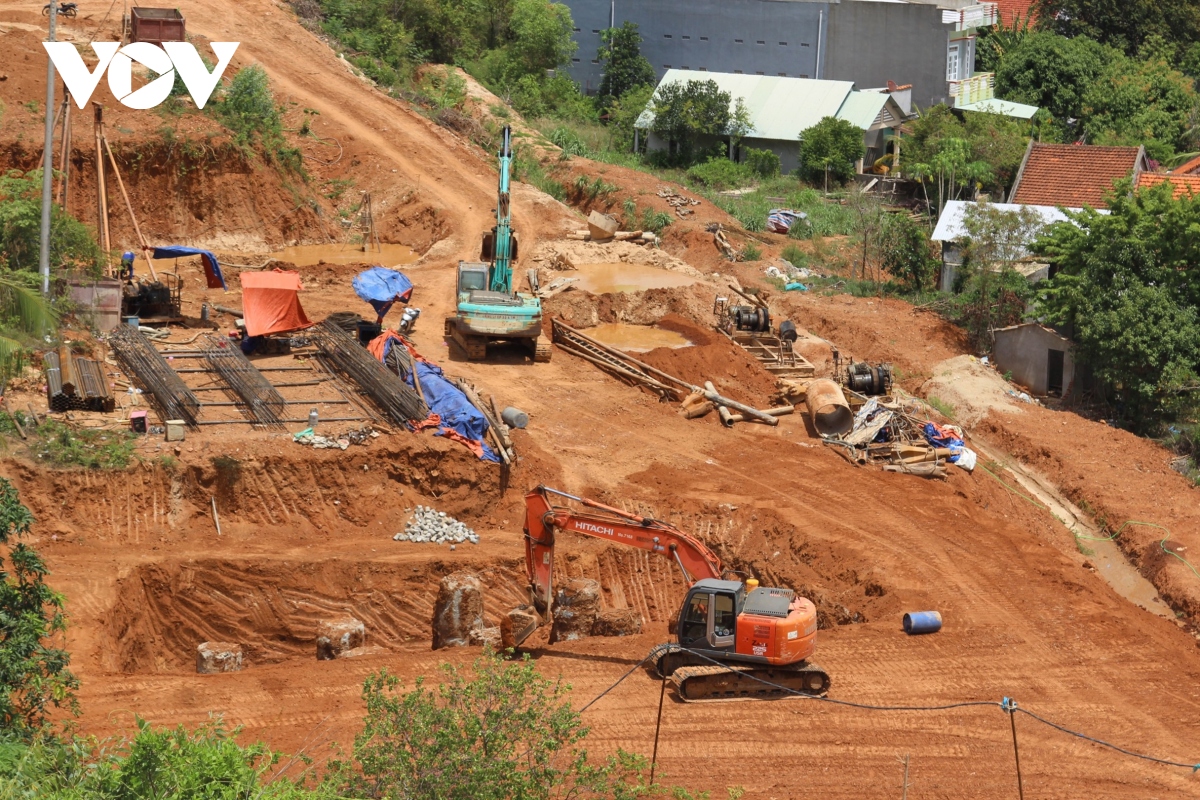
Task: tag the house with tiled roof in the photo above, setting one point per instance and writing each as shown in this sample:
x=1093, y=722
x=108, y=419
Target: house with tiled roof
x=1010, y=11
x=1074, y=175
x=1183, y=184
x=1188, y=168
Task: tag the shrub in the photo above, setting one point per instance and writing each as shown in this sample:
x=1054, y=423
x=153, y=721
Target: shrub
x=570, y=142
x=248, y=109
x=794, y=255
x=763, y=163
x=721, y=173
x=91, y=449
x=829, y=150
x=751, y=252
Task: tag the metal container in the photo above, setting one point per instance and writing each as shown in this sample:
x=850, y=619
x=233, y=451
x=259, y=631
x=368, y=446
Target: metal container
x=132, y=322
x=204, y=311
x=828, y=409
x=514, y=417
x=312, y=418
x=157, y=25
x=916, y=622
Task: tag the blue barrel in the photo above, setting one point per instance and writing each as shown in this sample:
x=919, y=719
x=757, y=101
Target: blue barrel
x=922, y=622
x=132, y=322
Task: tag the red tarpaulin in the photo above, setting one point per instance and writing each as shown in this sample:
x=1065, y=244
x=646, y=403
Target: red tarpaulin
x=270, y=304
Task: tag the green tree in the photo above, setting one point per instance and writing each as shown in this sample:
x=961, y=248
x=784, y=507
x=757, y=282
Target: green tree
x=248, y=109
x=1142, y=102
x=624, y=66
x=994, y=43
x=505, y=732
x=1126, y=290
x=952, y=169
x=685, y=112
x=831, y=147
x=1052, y=72
x=907, y=254
x=34, y=674
x=623, y=115
x=71, y=243
x=1126, y=25
x=541, y=38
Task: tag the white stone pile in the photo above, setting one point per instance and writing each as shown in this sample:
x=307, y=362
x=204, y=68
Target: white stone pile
x=430, y=525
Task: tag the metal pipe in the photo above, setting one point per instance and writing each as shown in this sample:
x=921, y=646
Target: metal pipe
x=301, y=419
x=745, y=409
x=828, y=408
x=48, y=161
x=780, y=411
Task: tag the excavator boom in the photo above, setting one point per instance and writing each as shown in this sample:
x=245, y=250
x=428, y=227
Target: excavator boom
x=542, y=517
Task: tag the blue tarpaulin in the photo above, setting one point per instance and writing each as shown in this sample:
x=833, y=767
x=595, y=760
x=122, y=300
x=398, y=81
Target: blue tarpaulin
x=456, y=417
x=212, y=270
x=381, y=287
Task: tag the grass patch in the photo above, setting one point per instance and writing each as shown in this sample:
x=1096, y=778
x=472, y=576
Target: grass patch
x=61, y=446
x=942, y=407
x=1083, y=548
x=751, y=252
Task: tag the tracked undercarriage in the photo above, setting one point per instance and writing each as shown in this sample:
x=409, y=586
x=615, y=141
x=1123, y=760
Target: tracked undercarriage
x=698, y=679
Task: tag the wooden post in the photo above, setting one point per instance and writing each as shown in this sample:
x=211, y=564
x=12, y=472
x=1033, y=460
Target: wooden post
x=101, y=191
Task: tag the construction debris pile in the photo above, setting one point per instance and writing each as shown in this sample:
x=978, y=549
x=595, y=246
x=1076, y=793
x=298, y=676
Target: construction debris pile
x=677, y=201
x=603, y=228
x=430, y=525
x=76, y=384
x=339, y=440
x=893, y=432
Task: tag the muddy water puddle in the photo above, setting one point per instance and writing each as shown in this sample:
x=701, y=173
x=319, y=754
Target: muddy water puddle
x=308, y=254
x=636, y=338
x=622, y=277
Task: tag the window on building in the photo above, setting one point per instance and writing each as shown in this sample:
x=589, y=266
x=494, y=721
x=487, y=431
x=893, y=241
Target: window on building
x=685, y=37
x=666, y=66
x=805, y=44
x=737, y=72
x=666, y=36
x=595, y=30
x=783, y=74
x=952, y=62
x=804, y=76
x=783, y=44
x=595, y=61
x=702, y=69
x=575, y=29
x=685, y=66
x=704, y=38
x=758, y=73
x=737, y=41
x=575, y=60
x=760, y=41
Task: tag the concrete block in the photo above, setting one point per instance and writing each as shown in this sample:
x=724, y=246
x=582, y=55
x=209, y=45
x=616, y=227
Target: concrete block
x=214, y=657
x=175, y=430
x=575, y=608
x=336, y=636
x=516, y=625
x=617, y=622
x=601, y=226
x=457, y=611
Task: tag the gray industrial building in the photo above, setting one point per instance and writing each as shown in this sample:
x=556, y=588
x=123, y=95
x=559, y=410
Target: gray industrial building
x=867, y=42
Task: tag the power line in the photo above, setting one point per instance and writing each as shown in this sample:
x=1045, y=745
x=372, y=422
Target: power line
x=1008, y=705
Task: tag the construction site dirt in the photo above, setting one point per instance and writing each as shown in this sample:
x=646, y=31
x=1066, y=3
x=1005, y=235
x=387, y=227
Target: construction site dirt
x=306, y=534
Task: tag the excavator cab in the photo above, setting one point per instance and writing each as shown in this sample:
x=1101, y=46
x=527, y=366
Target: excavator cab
x=709, y=618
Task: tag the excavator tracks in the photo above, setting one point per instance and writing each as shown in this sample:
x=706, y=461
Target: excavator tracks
x=699, y=680
x=543, y=350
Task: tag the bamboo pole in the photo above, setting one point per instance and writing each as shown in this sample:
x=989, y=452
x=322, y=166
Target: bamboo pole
x=129, y=206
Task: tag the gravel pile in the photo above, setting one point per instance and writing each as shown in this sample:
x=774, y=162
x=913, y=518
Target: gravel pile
x=430, y=525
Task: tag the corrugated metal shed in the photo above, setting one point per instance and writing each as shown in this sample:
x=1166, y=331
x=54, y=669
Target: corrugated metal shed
x=779, y=107
x=950, y=224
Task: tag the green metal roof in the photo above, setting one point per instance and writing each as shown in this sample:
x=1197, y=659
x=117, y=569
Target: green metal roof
x=862, y=108
x=1004, y=107
x=781, y=107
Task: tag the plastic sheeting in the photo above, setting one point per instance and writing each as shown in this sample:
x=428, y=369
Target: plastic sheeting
x=212, y=269
x=781, y=220
x=270, y=303
x=381, y=287
x=950, y=437
x=449, y=409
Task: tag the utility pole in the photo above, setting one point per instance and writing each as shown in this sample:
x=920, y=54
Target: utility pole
x=48, y=161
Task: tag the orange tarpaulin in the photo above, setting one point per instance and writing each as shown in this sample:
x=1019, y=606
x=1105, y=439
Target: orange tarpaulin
x=270, y=304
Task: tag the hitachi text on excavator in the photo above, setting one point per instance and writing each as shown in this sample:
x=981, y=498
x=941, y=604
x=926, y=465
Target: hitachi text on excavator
x=733, y=638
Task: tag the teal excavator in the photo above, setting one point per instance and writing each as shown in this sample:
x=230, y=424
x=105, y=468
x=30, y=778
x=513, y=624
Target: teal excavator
x=488, y=309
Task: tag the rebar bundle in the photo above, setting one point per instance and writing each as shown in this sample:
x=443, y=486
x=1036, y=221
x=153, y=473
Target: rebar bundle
x=393, y=396
x=86, y=387
x=146, y=366
x=263, y=402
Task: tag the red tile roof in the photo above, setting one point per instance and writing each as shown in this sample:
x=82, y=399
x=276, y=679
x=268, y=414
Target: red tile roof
x=1188, y=168
x=1184, y=184
x=1009, y=10
x=1072, y=175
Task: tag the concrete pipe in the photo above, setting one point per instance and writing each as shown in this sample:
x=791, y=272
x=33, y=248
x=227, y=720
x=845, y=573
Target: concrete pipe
x=828, y=408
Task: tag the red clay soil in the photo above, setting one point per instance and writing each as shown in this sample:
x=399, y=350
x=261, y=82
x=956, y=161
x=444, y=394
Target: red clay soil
x=306, y=534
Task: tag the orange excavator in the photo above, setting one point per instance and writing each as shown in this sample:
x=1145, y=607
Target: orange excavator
x=733, y=638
